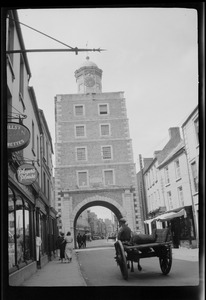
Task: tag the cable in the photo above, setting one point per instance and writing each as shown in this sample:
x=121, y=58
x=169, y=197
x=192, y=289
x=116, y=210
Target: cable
x=41, y=33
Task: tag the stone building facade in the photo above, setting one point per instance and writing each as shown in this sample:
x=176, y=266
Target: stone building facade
x=94, y=158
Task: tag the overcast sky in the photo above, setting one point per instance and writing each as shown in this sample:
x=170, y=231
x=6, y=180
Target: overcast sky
x=152, y=56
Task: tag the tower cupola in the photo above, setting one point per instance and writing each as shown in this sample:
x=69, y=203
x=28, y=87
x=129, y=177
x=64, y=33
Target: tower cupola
x=88, y=77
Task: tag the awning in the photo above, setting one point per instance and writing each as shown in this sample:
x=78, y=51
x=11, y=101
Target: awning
x=167, y=216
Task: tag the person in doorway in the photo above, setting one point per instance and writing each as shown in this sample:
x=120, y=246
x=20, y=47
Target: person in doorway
x=124, y=233
x=84, y=238
x=79, y=240
x=62, y=247
x=57, y=244
x=69, y=246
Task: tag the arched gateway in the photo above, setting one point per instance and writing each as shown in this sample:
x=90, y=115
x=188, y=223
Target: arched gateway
x=96, y=200
x=93, y=149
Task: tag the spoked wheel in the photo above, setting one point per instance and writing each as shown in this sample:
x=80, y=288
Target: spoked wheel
x=121, y=259
x=166, y=260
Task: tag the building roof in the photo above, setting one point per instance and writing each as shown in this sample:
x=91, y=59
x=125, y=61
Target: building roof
x=174, y=151
x=87, y=63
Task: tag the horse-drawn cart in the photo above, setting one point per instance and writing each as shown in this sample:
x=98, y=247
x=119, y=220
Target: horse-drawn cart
x=129, y=252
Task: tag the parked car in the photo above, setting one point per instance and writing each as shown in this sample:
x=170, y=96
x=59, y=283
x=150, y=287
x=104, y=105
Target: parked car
x=96, y=237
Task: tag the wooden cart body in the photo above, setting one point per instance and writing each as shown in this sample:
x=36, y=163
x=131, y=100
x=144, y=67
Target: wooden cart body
x=127, y=253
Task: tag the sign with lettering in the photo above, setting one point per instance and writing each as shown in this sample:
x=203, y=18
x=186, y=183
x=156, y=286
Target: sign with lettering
x=26, y=174
x=18, y=136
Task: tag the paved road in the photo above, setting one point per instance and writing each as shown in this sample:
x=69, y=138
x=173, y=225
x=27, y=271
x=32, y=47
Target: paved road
x=100, y=269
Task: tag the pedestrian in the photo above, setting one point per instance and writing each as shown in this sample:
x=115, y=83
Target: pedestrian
x=79, y=240
x=57, y=244
x=84, y=238
x=62, y=247
x=69, y=246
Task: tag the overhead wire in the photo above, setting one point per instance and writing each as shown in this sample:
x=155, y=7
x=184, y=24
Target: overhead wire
x=42, y=33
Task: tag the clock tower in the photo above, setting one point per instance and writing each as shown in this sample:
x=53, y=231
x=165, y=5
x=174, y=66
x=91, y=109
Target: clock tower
x=88, y=78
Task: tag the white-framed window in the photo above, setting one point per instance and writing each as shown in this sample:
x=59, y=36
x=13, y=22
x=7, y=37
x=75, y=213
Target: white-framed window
x=103, y=109
x=108, y=177
x=105, y=130
x=81, y=153
x=180, y=195
x=80, y=131
x=79, y=110
x=106, y=152
x=194, y=175
x=167, y=178
x=177, y=169
x=196, y=124
x=169, y=199
x=82, y=178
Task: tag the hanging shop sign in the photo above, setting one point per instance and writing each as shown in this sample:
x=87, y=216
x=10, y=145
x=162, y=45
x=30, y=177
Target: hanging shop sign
x=26, y=174
x=18, y=136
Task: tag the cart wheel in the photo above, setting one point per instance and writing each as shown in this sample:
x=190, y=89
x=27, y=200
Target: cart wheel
x=121, y=259
x=166, y=260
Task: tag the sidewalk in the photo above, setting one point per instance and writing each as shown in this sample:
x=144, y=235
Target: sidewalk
x=56, y=273
x=185, y=254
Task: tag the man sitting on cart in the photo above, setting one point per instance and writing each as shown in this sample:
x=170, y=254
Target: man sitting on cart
x=124, y=233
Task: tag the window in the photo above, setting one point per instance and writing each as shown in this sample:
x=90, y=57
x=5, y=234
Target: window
x=81, y=154
x=79, y=110
x=196, y=123
x=21, y=78
x=82, y=178
x=80, y=131
x=108, y=177
x=106, y=152
x=194, y=176
x=169, y=199
x=167, y=179
x=105, y=129
x=11, y=39
x=19, y=230
x=177, y=169
x=180, y=196
x=103, y=109
x=33, y=133
x=37, y=145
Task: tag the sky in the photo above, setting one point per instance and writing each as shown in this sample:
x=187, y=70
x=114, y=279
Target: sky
x=151, y=55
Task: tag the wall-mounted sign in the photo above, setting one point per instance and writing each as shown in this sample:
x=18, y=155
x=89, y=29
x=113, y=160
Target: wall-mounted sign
x=26, y=174
x=18, y=136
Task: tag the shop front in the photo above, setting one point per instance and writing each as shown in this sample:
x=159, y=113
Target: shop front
x=181, y=223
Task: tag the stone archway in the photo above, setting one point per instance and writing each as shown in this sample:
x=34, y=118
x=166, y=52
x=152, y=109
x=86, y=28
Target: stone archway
x=95, y=201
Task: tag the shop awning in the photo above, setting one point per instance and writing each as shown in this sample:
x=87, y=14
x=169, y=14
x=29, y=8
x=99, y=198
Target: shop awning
x=167, y=216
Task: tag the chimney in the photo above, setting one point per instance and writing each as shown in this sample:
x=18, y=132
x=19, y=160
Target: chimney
x=174, y=132
x=156, y=153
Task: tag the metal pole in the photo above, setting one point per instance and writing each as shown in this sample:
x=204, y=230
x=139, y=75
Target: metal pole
x=76, y=50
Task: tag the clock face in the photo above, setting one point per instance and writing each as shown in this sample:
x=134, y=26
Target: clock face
x=89, y=81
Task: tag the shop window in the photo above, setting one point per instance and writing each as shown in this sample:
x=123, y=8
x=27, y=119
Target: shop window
x=19, y=231
x=11, y=229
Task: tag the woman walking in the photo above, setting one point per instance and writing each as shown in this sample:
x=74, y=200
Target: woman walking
x=62, y=247
x=69, y=246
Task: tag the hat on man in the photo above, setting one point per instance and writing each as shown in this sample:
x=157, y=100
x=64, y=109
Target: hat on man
x=122, y=220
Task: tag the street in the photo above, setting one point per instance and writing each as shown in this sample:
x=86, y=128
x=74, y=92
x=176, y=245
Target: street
x=99, y=268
